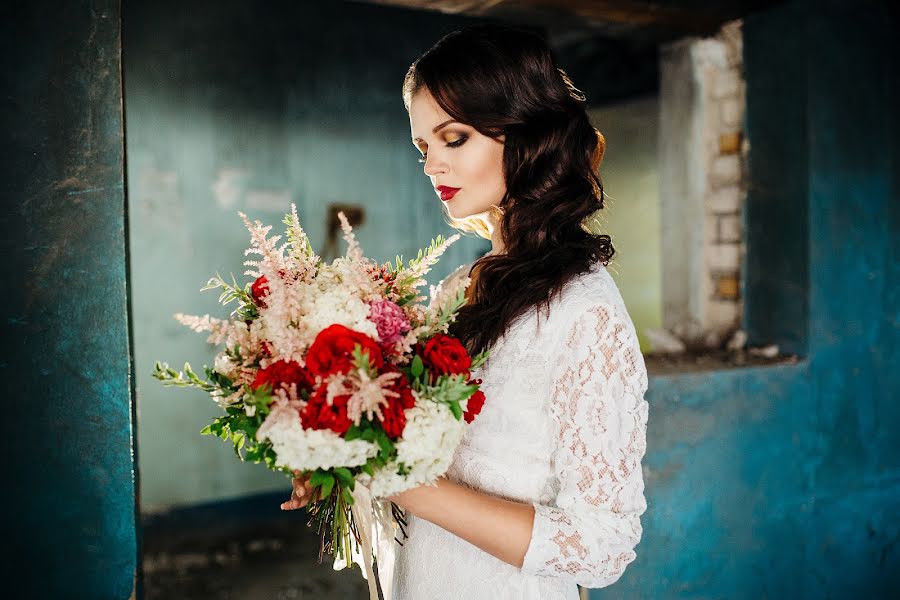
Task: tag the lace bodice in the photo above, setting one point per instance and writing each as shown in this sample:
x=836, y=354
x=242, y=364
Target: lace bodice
x=563, y=428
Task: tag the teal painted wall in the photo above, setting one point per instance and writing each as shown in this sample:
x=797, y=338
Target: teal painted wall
x=231, y=110
x=785, y=482
x=68, y=501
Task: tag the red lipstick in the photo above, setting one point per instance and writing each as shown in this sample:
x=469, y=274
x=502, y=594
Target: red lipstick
x=446, y=192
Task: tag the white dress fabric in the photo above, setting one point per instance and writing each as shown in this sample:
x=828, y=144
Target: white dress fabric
x=563, y=428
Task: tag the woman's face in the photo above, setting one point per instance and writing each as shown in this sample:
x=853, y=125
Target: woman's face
x=457, y=157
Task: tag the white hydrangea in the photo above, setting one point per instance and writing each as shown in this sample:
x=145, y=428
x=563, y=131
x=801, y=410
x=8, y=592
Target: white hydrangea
x=429, y=441
x=308, y=449
x=338, y=306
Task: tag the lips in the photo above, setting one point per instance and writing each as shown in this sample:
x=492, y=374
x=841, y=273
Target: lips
x=446, y=192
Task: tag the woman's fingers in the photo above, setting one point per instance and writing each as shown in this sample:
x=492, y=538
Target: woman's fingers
x=300, y=494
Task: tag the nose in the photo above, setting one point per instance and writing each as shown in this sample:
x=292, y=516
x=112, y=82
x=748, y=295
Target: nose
x=435, y=164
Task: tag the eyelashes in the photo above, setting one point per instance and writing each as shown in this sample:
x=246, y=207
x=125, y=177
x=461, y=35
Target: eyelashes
x=454, y=144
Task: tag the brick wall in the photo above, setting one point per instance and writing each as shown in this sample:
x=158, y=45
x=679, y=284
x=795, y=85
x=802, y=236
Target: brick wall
x=702, y=185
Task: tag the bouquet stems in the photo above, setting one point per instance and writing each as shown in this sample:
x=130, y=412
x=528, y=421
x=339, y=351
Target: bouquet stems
x=334, y=521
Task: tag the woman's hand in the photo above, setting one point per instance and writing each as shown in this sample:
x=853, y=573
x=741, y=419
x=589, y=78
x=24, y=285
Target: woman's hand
x=300, y=495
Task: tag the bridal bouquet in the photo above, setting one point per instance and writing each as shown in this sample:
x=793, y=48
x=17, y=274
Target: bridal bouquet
x=340, y=371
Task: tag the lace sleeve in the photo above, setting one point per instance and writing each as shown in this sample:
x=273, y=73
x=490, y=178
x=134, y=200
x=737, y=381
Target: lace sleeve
x=599, y=417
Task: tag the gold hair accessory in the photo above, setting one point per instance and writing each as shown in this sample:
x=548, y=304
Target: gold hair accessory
x=592, y=224
x=574, y=92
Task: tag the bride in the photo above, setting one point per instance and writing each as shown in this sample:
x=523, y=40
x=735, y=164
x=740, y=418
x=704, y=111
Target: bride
x=545, y=491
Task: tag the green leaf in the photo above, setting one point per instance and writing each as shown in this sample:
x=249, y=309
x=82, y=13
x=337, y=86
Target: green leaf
x=418, y=367
x=318, y=478
x=344, y=476
x=353, y=433
x=327, y=486
x=455, y=409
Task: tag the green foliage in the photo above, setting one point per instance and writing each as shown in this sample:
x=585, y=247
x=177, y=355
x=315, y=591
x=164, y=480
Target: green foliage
x=240, y=428
x=170, y=377
x=417, y=367
x=372, y=432
x=445, y=313
x=300, y=244
x=406, y=278
x=449, y=390
x=362, y=360
x=246, y=309
x=479, y=359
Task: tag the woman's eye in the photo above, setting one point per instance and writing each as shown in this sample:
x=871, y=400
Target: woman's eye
x=457, y=142
x=452, y=144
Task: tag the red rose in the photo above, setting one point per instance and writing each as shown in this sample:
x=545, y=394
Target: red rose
x=445, y=355
x=259, y=290
x=476, y=402
x=283, y=373
x=332, y=351
x=319, y=414
x=393, y=418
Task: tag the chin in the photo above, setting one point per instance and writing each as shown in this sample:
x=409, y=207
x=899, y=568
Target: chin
x=461, y=212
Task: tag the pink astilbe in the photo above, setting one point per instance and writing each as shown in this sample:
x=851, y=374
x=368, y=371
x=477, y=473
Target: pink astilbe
x=366, y=394
x=272, y=255
x=414, y=275
x=304, y=260
x=220, y=329
x=390, y=320
x=354, y=252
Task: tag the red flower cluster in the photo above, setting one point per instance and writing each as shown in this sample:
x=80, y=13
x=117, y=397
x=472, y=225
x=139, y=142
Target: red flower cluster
x=475, y=404
x=332, y=351
x=445, y=355
x=394, y=414
x=282, y=373
x=318, y=414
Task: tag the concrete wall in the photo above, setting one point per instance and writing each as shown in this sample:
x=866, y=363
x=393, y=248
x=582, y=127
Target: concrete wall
x=232, y=110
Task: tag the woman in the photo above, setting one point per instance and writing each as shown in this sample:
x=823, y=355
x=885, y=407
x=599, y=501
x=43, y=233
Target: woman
x=546, y=490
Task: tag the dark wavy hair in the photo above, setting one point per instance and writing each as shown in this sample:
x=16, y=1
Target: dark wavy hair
x=506, y=81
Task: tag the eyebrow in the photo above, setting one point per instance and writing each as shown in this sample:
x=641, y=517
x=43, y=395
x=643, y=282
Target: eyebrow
x=438, y=128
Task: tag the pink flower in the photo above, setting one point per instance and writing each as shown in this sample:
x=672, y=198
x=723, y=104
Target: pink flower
x=389, y=319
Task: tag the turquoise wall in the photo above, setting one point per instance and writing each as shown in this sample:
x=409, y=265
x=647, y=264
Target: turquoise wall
x=228, y=110
x=785, y=482
x=68, y=502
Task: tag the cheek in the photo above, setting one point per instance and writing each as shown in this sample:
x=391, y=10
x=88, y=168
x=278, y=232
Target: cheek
x=492, y=171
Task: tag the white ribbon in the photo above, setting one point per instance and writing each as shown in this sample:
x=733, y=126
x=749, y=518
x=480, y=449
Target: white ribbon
x=377, y=530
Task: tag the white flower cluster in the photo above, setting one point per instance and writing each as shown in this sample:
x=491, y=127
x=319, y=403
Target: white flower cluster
x=337, y=306
x=310, y=449
x=426, y=449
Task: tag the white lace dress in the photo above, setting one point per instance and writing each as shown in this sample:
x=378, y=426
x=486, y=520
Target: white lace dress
x=564, y=429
